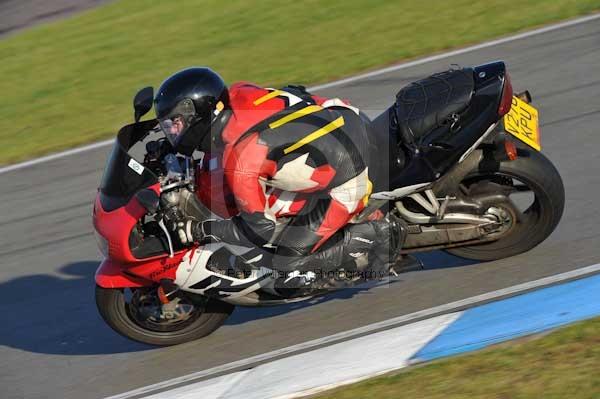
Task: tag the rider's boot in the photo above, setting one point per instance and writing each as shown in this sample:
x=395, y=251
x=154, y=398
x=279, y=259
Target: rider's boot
x=390, y=235
x=362, y=251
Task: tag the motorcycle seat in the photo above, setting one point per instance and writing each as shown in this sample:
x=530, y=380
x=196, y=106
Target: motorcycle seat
x=429, y=103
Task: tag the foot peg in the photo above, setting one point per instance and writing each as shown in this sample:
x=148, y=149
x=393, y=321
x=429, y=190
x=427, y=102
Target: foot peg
x=407, y=263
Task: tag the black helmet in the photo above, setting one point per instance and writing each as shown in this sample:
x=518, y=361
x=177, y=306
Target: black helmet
x=187, y=104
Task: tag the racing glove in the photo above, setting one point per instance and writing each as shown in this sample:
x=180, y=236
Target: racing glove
x=250, y=230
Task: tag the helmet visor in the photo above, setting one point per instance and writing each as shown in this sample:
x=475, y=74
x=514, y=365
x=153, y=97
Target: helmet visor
x=178, y=121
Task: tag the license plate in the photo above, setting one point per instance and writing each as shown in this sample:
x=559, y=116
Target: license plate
x=522, y=122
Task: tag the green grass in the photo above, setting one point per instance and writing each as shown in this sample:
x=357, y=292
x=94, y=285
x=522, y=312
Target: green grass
x=71, y=82
x=564, y=364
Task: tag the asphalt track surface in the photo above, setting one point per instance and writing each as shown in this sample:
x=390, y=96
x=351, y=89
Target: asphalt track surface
x=54, y=344
x=16, y=15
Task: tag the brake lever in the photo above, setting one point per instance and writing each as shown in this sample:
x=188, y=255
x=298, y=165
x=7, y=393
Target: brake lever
x=162, y=225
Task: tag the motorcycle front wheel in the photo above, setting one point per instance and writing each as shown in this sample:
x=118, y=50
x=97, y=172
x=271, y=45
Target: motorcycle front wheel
x=138, y=314
x=531, y=217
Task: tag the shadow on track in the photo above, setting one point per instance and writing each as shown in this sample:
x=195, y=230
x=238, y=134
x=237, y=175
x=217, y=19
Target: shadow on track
x=56, y=314
x=245, y=314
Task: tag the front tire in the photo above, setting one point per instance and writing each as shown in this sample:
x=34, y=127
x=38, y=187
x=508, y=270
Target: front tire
x=121, y=315
x=540, y=219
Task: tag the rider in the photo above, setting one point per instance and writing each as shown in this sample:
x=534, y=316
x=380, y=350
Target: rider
x=298, y=168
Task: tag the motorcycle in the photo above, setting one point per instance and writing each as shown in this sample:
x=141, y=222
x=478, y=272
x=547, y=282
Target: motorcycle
x=458, y=181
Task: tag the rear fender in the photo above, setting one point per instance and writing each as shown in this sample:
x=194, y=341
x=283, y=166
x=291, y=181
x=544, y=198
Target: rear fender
x=110, y=275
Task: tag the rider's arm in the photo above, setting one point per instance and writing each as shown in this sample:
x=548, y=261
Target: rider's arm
x=246, y=166
x=245, y=229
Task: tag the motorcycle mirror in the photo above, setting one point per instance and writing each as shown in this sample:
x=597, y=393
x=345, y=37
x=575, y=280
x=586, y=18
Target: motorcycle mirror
x=148, y=199
x=142, y=102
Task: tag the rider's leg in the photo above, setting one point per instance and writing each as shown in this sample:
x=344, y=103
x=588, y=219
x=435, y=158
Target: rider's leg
x=368, y=248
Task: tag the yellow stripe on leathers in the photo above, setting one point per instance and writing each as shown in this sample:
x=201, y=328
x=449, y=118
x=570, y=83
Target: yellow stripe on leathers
x=365, y=199
x=295, y=115
x=330, y=127
x=267, y=97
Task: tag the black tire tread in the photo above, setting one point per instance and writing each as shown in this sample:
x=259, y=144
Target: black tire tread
x=535, y=167
x=111, y=306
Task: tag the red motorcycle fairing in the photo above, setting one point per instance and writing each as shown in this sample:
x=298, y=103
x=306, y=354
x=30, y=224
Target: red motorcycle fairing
x=122, y=269
x=110, y=274
x=113, y=274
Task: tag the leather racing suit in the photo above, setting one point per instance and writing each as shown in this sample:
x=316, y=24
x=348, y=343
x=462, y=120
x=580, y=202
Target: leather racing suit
x=298, y=168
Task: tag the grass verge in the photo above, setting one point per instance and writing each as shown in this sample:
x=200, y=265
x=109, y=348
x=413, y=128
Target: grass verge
x=562, y=364
x=72, y=81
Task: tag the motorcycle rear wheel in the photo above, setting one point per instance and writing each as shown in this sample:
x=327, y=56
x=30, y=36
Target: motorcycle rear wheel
x=123, y=316
x=539, y=175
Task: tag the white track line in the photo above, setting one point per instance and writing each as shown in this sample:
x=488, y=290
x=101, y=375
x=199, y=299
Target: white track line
x=370, y=328
x=377, y=72
x=321, y=369
x=57, y=155
x=441, y=56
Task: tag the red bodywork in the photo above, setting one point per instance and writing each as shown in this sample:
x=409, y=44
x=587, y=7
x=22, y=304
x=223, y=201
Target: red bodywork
x=122, y=269
x=213, y=188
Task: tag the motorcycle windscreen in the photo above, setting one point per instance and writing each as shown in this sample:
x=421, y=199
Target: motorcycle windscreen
x=124, y=176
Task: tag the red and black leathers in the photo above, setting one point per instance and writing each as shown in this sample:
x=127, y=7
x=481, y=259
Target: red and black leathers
x=297, y=166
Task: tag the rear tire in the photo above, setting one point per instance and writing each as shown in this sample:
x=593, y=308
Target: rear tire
x=116, y=311
x=538, y=172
